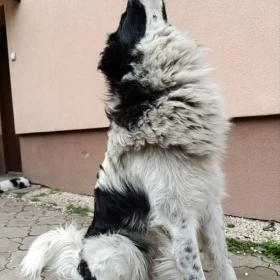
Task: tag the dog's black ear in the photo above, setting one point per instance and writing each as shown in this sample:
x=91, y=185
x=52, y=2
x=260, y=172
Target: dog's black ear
x=115, y=59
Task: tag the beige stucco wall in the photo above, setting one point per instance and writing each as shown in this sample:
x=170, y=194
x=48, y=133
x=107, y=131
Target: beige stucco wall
x=67, y=161
x=55, y=83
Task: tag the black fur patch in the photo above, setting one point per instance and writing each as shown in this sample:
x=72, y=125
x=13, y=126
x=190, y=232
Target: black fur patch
x=116, y=57
x=14, y=182
x=115, y=210
x=21, y=185
x=134, y=100
x=195, y=267
x=188, y=249
x=84, y=271
x=164, y=14
x=18, y=184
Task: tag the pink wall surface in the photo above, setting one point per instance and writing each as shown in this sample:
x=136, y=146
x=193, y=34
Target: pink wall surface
x=253, y=168
x=55, y=83
x=244, y=38
x=70, y=161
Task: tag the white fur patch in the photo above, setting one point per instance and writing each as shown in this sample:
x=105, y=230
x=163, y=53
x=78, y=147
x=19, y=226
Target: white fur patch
x=56, y=251
x=111, y=257
x=154, y=16
x=7, y=186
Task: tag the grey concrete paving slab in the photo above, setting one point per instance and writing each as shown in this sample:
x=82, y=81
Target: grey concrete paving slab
x=21, y=223
x=12, y=232
x=7, y=246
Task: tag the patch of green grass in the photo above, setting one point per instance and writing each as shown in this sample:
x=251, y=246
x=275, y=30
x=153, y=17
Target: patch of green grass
x=269, y=248
x=46, y=193
x=80, y=210
x=41, y=195
x=53, y=191
x=35, y=199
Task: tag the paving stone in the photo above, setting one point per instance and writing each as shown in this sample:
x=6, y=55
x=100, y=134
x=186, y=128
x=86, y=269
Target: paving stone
x=16, y=239
x=272, y=265
x=8, y=246
x=54, y=213
x=7, y=216
x=3, y=260
x=51, y=221
x=244, y=273
x=79, y=219
x=9, y=209
x=49, y=276
x=40, y=229
x=21, y=222
x=12, y=274
x=248, y=260
x=81, y=226
x=29, y=208
x=26, y=242
x=16, y=202
x=19, y=229
x=259, y=273
x=13, y=232
x=30, y=214
x=15, y=259
x=3, y=223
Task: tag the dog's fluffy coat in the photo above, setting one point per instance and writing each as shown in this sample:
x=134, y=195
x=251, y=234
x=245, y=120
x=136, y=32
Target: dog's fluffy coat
x=162, y=167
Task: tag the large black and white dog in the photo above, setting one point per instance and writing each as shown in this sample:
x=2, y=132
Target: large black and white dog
x=161, y=180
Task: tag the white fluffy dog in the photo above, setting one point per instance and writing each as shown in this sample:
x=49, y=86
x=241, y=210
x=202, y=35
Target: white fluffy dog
x=162, y=166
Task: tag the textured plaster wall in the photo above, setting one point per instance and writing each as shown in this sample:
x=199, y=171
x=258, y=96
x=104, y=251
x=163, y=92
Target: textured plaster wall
x=66, y=161
x=55, y=83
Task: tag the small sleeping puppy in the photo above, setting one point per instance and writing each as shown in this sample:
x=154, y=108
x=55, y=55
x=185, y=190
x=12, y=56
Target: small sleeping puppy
x=14, y=184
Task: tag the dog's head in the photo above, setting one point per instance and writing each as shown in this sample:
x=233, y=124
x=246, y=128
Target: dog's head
x=140, y=18
x=128, y=97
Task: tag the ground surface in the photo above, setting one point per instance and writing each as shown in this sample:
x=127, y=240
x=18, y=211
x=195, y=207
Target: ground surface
x=21, y=223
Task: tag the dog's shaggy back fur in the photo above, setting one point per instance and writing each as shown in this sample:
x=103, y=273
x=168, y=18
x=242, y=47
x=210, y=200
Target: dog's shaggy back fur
x=180, y=106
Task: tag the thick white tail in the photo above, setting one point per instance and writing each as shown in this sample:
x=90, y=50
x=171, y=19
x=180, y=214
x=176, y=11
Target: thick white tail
x=57, y=251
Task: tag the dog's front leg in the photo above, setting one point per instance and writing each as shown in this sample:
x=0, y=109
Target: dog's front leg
x=186, y=251
x=213, y=232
